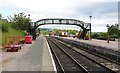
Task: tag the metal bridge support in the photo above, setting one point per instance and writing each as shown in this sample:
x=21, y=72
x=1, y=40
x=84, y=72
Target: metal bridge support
x=33, y=33
x=83, y=34
x=90, y=32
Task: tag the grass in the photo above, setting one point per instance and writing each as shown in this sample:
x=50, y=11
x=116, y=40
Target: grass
x=11, y=32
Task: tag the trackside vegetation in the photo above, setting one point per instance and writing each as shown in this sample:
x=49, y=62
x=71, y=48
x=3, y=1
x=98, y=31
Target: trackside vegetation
x=16, y=26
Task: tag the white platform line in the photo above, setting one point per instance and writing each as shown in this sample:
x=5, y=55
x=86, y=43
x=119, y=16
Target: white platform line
x=53, y=62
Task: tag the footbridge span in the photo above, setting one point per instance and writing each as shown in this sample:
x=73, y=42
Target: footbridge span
x=84, y=26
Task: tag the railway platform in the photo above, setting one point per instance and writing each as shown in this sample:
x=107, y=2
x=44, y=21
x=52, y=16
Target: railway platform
x=0, y=60
x=113, y=45
x=32, y=57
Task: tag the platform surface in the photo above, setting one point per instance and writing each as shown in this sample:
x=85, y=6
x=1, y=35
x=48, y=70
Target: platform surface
x=35, y=57
x=111, y=45
x=0, y=60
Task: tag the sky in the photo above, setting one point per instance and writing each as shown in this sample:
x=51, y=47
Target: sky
x=103, y=12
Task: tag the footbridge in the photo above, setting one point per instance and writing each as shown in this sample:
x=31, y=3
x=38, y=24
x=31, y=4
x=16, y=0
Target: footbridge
x=84, y=26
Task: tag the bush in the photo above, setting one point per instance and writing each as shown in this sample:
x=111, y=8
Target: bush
x=114, y=36
x=95, y=35
x=102, y=38
x=4, y=27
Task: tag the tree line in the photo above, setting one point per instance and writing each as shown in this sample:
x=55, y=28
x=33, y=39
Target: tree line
x=19, y=21
x=113, y=32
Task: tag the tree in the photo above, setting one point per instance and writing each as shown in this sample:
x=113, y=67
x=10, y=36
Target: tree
x=3, y=24
x=95, y=35
x=0, y=16
x=114, y=32
x=20, y=21
x=102, y=35
x=73, y=32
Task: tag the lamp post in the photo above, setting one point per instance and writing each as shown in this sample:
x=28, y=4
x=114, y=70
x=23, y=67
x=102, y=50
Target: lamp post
x=29, y=25
x=90, y=26
x=107, y=33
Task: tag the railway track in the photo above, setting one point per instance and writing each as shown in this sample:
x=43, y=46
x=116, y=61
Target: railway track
x=103, y=52
x=111, y=64
x=66, y=63
x=71, y=60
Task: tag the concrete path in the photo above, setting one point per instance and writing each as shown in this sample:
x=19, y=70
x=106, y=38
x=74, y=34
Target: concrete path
x=47, y=60
x=0, y=60
x=34, y=58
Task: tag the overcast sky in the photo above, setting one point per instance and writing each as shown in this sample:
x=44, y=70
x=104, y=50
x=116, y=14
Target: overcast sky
x=103, y=12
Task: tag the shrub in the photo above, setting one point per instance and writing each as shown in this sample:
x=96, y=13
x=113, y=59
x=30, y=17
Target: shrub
x=114, y=36
x=95, y=35
x=4, y=27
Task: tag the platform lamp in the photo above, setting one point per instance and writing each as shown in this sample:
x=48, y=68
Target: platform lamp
x=29, y=25
x=107, y=32
x=90, y=26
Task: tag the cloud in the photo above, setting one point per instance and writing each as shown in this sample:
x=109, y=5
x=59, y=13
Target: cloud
x=97, y=9
x=103, y=12
x=61, y=27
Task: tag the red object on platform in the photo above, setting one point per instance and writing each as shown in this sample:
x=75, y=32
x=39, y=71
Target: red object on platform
x=28, y=39
x=12, y=44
